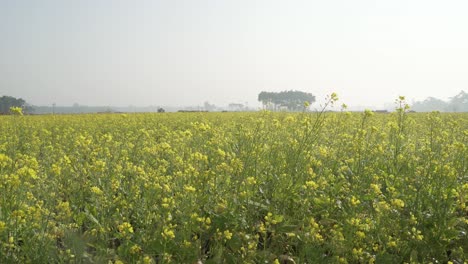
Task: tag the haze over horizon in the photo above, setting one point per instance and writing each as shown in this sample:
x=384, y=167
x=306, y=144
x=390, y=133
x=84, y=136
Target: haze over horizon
x=184, y=52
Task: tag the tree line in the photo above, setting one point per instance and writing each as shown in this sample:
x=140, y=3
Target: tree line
x=288, y=100
x=7, y=102
x=458, y=103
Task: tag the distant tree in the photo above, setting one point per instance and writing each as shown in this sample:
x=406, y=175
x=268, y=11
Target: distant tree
x=292, y=100
x=29, y=109
x=267, y=99
x=236, y=107
x=6, y=102
x=161, y=110
x=209, y=107
x=459, y=103
x=430, y=104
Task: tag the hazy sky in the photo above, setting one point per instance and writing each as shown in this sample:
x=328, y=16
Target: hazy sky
x=185, y=52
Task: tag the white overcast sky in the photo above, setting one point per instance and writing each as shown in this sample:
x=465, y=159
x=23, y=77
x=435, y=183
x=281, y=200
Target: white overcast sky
x=185, y=52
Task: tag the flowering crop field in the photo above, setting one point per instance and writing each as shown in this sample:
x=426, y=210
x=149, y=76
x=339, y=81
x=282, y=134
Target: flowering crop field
x=234, y=188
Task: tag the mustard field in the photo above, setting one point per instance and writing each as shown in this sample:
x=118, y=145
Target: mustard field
x=257, y=187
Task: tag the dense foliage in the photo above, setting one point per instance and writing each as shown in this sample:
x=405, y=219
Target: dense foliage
x=234, y=187
x=9, y=102
x=291, y=100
